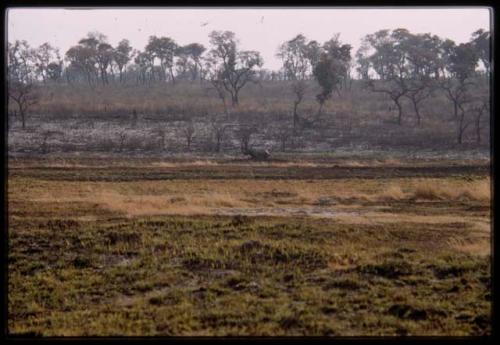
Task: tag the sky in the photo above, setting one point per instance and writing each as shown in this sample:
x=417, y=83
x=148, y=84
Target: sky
x=261, y=29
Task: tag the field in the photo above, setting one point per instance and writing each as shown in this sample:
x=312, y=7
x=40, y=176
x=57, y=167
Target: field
x=316, y=245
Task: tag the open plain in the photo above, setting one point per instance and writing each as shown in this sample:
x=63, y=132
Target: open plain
x=315, y=245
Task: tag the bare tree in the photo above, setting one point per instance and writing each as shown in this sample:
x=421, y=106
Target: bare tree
x=283, y=133
x=24, y=95
x=46, y=135
x=417, y=93
x=480, y=111
x=218, y=86
x=161, y=135
x=135, y=117
x=188, y=131
x=219, y=131
x=244, y=134
x=122, y=136
x=299, y=89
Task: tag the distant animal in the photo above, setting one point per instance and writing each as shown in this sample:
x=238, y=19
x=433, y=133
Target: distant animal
x=204, y=24
x=257, y=154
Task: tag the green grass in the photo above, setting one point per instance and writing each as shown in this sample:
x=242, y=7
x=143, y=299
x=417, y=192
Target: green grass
x=240, y=275
x=185, y=276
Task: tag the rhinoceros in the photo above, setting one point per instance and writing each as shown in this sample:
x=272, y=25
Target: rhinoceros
x=257, y=154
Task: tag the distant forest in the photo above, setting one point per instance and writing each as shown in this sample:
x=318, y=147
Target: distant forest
x=413, y=78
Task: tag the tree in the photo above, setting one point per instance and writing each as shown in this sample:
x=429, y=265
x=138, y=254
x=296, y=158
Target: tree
x=24, y=95
x=480, y=110
x=20, y=62
x=144, y=62
x=163, y=49
x=461, y=67
x=232, y=68
x=212, y=74
x=481, y=43
x=104, y=57
x=182, y=63
x=20, y=73
x=332, y=69
x=189, y=61
x=299, y=89
x=122, y=55
x=283, y=133
x=54, y=71
x=219, y=128
x=188, y=131
x=44, y=56
x=423, y=58
x=297, y=55
x=385, y=52
x=418, y=91
x=91, y=57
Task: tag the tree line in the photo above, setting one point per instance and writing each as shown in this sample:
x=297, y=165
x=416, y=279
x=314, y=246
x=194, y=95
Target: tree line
x=397, y=63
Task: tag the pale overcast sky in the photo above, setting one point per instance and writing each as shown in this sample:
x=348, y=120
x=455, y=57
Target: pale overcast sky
x=261, y=29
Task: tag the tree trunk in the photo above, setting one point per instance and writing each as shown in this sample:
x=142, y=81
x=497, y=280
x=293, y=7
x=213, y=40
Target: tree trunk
x=89, y=78
x=217, y=148
x=172, y=75
x=459, y=137
x=21, y=112
x=234, y=99
x=460, y=129
x=417, y=112
x=400, y=111
x=320, y=109
x=295, y=117
x=478, y=130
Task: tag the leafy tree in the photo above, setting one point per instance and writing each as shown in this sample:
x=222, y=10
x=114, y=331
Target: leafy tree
x=54, y=70
x=104, y=58
x=91, y=57
x=332, y=69
x=385, y=52
x=188, y=63
x=461, y=67
x=423, y=58
x=163, y=49
x=481, y=43
x=122, y=56
x=297, y=55
x=45, y=55
x=20, y=62
x=232, y=68
x=145, y=63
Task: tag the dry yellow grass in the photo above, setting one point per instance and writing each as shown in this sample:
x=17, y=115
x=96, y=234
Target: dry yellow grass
x=184, y=196
x=393, y=192
x=444, y=190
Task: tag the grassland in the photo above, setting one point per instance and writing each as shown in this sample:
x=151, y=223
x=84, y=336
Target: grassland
x=229, y=247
